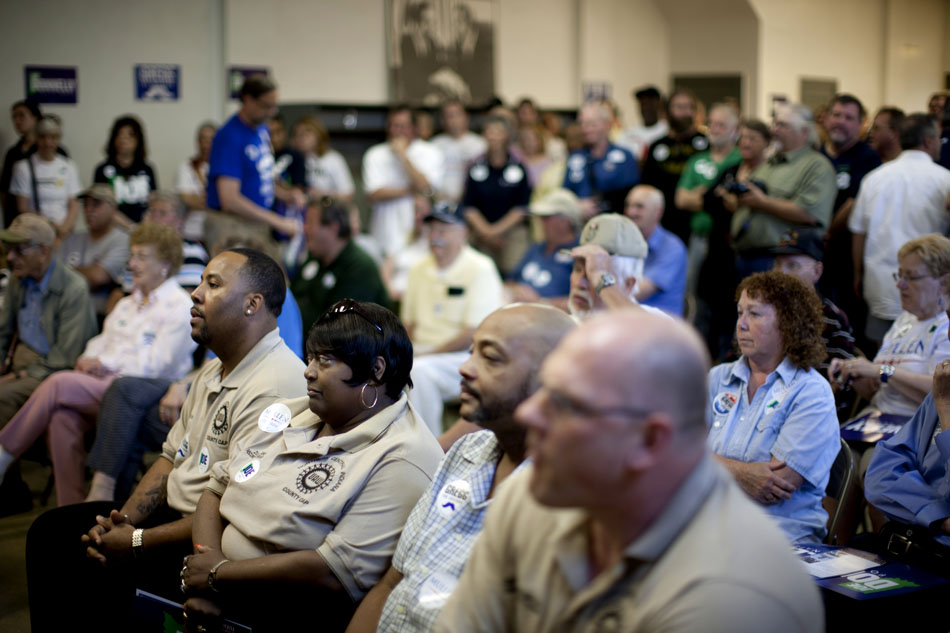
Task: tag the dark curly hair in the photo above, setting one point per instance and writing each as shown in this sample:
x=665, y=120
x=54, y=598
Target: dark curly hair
x=799, y=311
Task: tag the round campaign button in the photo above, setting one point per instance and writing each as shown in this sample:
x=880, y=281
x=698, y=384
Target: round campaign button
x=274, y=418
x=513, y=174
x=309, y=270
x=661, y=153
x=479, y=172
x=247, y=471
x=204, y=460
x=453, y=496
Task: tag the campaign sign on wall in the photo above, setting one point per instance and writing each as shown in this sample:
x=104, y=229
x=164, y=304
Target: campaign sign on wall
x=237, y=75
x=157, y=82
x=51, y=84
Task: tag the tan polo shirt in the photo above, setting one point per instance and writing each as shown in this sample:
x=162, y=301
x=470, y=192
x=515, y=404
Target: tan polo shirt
x=218, y=412
x=711, y=562
x=347, y=495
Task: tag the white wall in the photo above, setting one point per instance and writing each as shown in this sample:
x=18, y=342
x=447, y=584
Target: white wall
x=914, y=52
x=626, y=44
x=105, y=43
x=821, y=39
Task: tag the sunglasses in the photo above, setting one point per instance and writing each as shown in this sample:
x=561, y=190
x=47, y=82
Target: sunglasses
x=349, y=305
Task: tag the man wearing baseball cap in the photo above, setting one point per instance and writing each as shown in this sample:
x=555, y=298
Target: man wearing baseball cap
x=101, y=254
x=800, y=253
x=45, y=321
x=607, y=265
x=544, y=273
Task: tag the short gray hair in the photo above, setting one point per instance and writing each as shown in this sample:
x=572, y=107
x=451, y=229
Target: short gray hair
x=804, y=119
x=625, y=267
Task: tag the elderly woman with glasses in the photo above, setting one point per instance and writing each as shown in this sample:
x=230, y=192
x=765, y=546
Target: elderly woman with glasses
x=311, y=508
x=901, y=374
x=771, y=414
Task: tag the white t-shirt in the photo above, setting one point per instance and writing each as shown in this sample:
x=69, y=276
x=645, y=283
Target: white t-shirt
x=897, y=202
x=638, y=138
x=329, y=173
x=458, y=153
x=189, y=181
x=917, y=346
x=57, y=181
x=392, y=220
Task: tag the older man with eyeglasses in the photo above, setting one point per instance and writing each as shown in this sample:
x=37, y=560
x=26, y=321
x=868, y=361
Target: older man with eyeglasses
x=46, y=319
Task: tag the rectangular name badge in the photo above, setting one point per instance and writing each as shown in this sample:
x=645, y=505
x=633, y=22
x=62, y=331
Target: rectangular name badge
x=456, y=292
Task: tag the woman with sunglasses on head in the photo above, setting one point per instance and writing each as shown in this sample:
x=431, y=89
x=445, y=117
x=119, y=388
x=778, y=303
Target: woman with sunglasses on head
x=901, y=374
x=313, y=505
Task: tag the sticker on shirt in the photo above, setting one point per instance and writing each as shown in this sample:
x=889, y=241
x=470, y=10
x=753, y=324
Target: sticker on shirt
x=247, y=471
x=453, y=496
x=575, y=176
x=184, y=449
x=220, y=423
x=513, y=174
x=436, y=589
x=772, y=405
x=274, y=418
x=577, y=162
x=108, y=171
x=843, y=179
x=724, y=403
x=204, y=460
x=616, y=156
x=309, y=271
x=329, y=280
x=661, y=153
x=700, y=143
x=478, y=172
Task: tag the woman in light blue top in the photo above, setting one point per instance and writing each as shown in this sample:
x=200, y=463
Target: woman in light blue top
x=771, y=418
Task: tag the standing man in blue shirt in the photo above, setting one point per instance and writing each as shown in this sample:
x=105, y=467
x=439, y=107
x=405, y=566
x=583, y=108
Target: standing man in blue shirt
x=663, y=282
x=602, y=173
x=240, y=172
x=502, y=371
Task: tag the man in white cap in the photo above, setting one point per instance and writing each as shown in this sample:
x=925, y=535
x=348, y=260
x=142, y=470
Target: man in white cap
x=544, y=273
x=46, y=319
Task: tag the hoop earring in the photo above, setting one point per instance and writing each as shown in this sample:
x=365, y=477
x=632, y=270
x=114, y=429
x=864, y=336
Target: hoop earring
x=363, y=398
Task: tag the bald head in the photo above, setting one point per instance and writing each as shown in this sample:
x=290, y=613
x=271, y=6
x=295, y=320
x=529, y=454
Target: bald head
x=646, y=362
x=644, y=205
x=534, y=328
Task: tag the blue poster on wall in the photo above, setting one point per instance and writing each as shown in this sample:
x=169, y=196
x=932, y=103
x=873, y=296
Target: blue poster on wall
x=157, y=82
x=51, y=84
x=237, y=75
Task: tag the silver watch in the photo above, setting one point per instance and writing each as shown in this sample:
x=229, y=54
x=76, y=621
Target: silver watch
x=606, y=280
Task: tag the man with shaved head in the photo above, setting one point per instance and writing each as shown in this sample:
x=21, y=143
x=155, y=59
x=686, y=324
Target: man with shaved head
x=502, y=371
x=623, y=521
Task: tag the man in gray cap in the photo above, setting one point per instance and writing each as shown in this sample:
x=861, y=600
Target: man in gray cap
x=607, y=265
x=45, y=322
x=101, y=254
x=544, y=273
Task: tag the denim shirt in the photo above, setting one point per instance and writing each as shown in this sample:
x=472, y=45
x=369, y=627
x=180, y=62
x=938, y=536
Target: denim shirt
x=792, y=418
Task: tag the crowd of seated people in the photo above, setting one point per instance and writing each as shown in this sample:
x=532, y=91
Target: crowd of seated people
x=643, y=331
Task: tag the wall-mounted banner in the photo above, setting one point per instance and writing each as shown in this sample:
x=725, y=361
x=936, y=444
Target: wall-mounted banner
x=51, y=84
x=157, y=82
x=237, y=75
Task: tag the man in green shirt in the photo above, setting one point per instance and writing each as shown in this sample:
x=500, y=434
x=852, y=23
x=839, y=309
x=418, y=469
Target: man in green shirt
x=704, y=168
x=799, y=190
x=335, y=267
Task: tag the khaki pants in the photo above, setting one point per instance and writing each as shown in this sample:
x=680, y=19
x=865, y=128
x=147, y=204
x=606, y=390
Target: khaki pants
x=15, y=391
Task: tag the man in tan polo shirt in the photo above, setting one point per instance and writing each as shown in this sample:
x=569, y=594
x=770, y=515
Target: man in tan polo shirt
x=235, y=315
x=623, y=521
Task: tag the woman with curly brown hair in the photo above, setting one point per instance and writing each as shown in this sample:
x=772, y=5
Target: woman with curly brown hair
x=772, y=419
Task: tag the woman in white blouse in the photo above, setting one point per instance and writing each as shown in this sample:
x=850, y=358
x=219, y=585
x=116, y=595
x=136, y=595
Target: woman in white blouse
x=46, y=182
x=147, y=334
x=901, y=374
x=327, y=172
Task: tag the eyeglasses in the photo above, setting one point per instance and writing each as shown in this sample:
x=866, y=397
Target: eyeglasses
x=564, y=404
x=898, y=277
x=19, y=248
x=349, y=305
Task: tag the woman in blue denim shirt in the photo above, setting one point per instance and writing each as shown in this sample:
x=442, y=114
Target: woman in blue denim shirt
x=772, y=418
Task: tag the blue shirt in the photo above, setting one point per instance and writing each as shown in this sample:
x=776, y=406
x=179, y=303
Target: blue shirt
x=549, y=275
x=907, y=478
x=439, y=534
x=242, y=152
x=792, y=418
x=614, y=174
x=30, y=312
x=665, y=266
